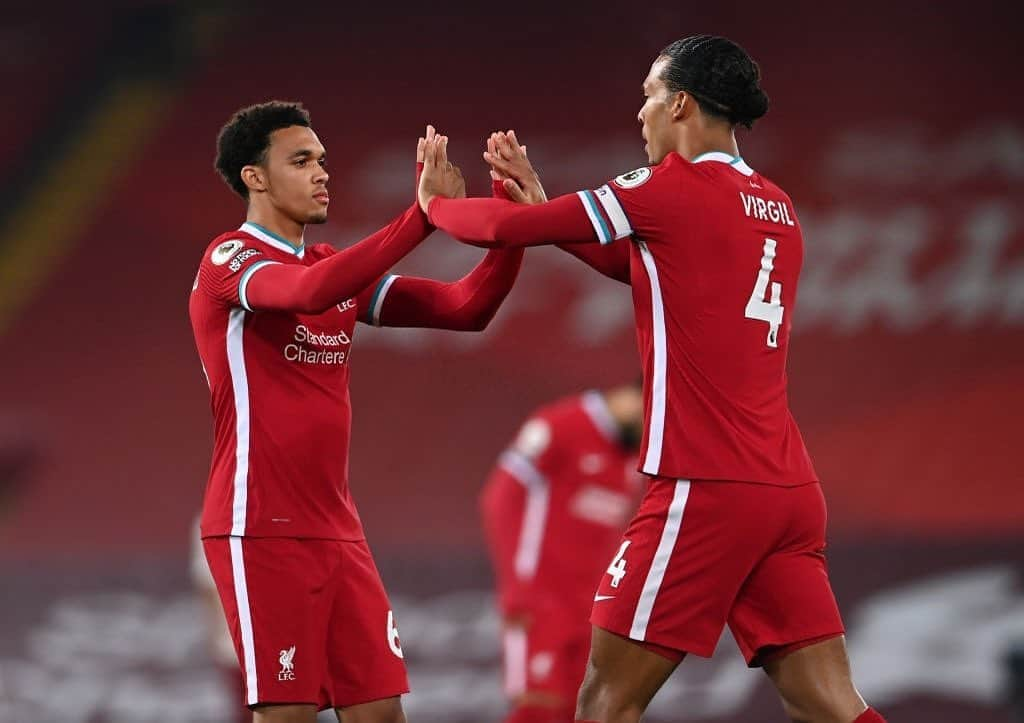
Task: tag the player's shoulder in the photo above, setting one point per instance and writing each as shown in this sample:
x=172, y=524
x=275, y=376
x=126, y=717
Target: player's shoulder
x=654, y=178
x=769, y=185
x=319, y=252
x=559, y=410
x=543, y=429
x=232, y=248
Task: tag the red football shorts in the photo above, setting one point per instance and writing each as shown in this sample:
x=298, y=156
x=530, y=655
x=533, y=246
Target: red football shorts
x=547, y=656
x=310, y=620
x=699, y=555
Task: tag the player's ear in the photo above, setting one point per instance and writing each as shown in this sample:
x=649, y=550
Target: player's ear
x=254, y=178
x=682, y=105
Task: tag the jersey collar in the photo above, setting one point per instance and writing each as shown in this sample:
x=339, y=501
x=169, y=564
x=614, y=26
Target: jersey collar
x=272, y=239
x=735, y=161
x=597, y=409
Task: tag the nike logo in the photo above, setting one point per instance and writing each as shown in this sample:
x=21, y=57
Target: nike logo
x=599, y=598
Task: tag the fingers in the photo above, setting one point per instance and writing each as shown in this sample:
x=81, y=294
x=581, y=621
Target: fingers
x=514, y=191
x=429, y=153
x=421, y=148
x=441, y=152
x=431, y=132
x=498, y=163
x=435, y=150
x=508, y=146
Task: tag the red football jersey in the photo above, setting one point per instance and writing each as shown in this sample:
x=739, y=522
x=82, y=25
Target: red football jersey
x=555, y=506
x=715, y=260
x=279, y=394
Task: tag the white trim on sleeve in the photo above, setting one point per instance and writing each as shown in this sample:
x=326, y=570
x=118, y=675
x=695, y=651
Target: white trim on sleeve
x=244, y=282
x=378, y=301
x=620, y=223
x=601, y=230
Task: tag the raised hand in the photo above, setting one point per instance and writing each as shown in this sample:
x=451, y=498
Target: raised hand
x=421, y=146
x=440, y=177
x=510, y=165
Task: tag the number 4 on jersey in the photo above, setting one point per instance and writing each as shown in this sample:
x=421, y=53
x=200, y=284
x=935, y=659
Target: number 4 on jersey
x=771, y=310
x=618, y=567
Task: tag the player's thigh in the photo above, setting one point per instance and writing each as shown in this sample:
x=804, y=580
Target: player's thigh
x=365, y=659
x=815, y=684
x=683, y=559
x=536, y=709
x=622, y=677
x=284, y=714
x=387, y=710
x=786, y=602
x=272, y=590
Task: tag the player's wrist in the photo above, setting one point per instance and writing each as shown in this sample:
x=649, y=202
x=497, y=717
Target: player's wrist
x=427, y=202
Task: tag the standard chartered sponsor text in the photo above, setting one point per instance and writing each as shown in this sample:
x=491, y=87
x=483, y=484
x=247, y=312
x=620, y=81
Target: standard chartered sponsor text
x=299, y=352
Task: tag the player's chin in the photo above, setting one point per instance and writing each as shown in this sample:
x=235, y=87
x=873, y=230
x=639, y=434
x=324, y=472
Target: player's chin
x=318, y=216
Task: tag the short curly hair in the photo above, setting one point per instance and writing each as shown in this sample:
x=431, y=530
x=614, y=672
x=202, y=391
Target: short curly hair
x=243, y=140
x=719, y=74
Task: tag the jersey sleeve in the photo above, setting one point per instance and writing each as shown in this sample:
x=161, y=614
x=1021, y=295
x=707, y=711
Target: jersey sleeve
x=632, y=204
x=226, y=269
x=341, y=275
x=468, y=304
x=495, y=222
x=612, y=259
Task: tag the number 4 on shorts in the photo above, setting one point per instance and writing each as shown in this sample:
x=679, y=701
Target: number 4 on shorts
x=618, y=567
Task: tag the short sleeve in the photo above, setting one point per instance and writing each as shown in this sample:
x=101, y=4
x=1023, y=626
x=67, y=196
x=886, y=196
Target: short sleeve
x=227, y=268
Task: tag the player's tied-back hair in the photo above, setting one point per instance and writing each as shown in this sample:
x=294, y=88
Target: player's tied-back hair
x=243, y=140
x=720, y=76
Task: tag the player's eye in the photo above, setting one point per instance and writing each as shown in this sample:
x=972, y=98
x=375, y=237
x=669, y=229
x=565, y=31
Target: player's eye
x=323, y=162
x=300, y=162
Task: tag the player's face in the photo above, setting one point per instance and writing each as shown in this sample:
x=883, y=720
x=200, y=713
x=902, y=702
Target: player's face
x=296, y=176
x=655, y=114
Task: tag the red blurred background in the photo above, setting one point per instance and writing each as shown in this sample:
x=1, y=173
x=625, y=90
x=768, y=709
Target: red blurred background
x=898, y=129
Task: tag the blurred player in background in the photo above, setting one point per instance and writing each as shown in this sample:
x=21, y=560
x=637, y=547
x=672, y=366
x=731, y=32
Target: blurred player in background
x=554, y=509
x=273, y=321
x=732, y=528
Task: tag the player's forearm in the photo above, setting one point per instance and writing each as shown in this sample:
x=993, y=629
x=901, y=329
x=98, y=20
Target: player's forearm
x=611, y=260
x=502, y=224
x=468, y=304
x=314, y=289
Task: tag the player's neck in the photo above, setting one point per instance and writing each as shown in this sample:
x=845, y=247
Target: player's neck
x=720, y=141
x=277, y=225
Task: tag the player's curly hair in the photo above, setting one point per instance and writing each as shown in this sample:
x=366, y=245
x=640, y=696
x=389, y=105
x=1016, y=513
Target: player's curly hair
x=243, y=140
x=720, y=76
